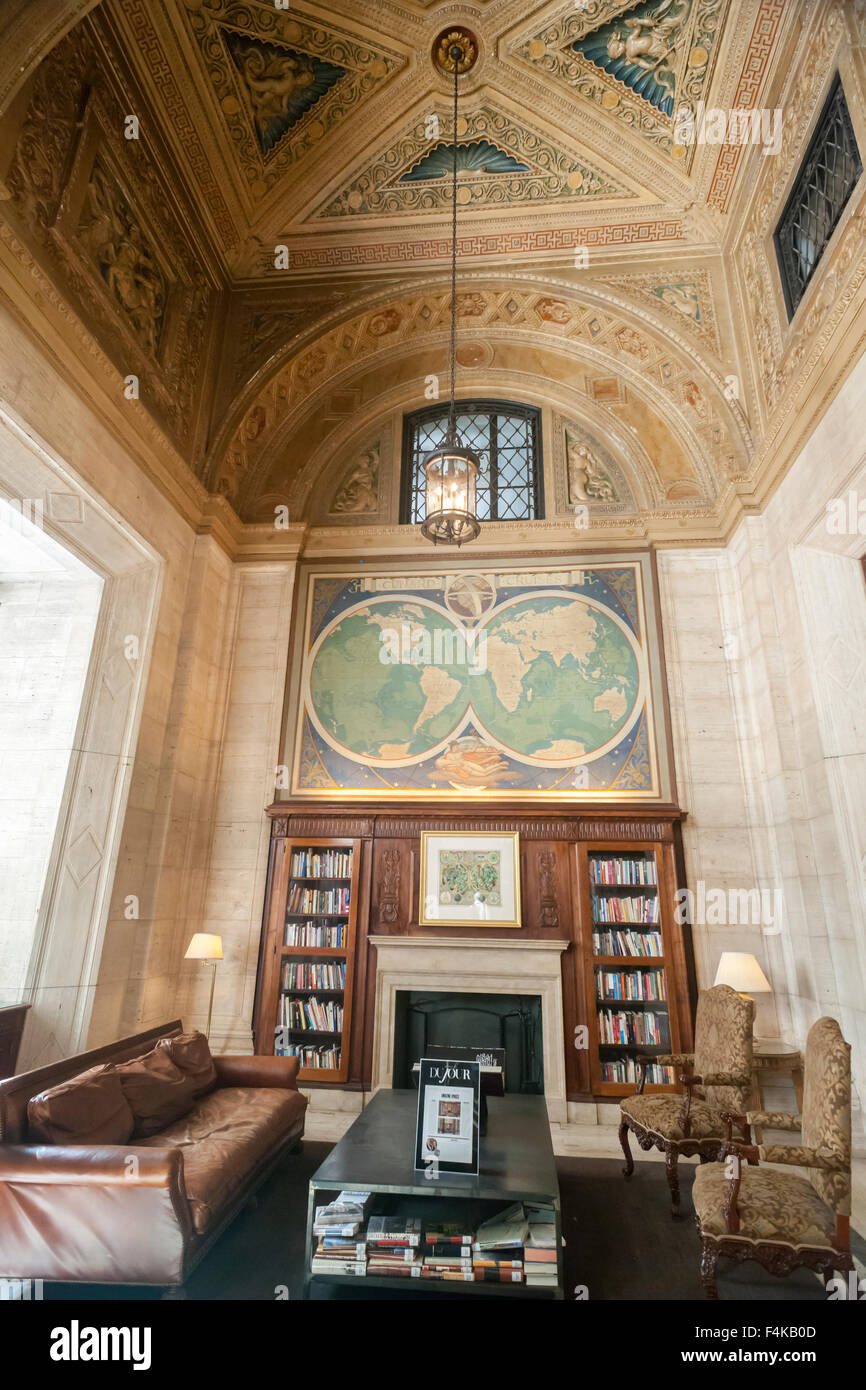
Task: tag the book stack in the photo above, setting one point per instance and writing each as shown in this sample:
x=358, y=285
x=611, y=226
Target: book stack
x=539, y=1251
x=393, y=1246
x=446, y=1252
x=340, y=1242
x=499, y=1246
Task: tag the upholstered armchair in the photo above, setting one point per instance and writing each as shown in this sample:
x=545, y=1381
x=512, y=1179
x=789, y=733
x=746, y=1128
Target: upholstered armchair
x=719, y=1080
x=780, y=1219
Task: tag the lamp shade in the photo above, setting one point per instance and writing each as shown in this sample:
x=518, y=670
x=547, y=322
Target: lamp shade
x=743, y=973
x=204, y=947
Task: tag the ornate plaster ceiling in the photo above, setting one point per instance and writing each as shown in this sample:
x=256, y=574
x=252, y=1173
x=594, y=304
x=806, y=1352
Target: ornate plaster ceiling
x=289, y=201
x=323, y=127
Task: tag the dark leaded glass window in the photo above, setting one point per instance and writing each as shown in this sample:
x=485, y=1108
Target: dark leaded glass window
x=506, y=438
x=823, y=186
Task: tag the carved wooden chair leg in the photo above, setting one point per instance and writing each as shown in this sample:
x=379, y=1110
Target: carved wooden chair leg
x=629, y=1161
x=673, y=1178
x=709, y=1260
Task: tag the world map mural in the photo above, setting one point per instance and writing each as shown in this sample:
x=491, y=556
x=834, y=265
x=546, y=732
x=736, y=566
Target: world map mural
x=522, y=682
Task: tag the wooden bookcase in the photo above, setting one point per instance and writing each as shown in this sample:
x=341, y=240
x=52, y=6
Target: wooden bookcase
x=309, y=875
x=634, y=963
x=557, y=849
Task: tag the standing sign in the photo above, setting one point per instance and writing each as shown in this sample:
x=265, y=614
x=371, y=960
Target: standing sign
x=446, y=1135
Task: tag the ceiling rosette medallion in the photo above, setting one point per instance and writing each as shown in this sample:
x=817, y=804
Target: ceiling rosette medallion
x=500, y=162
x=281, y=83
x=639, y=63
x=459, y=37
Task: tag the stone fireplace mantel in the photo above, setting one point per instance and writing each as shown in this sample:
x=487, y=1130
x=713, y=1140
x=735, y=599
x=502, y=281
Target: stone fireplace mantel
x=472, y=965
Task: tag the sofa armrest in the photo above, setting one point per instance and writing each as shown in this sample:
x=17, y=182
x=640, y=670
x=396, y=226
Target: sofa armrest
x=103, y=1215
x=82, y=1166
x=247, y=1070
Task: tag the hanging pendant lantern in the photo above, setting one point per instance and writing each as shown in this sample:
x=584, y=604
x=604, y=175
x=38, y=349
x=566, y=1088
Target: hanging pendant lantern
x=452, y=469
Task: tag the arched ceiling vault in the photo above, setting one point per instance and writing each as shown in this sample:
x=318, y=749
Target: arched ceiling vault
x=588, y=339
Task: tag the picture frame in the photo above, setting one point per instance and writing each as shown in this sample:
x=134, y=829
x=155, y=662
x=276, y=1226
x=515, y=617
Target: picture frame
x=469, y=879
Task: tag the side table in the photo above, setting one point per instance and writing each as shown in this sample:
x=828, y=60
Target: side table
x=772, y=1055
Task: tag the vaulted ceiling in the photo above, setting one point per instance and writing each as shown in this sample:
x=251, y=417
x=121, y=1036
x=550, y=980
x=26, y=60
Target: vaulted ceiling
x=287, y=186
x=323, y=127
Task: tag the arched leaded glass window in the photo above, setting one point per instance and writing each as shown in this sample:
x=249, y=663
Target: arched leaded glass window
x=507, y=438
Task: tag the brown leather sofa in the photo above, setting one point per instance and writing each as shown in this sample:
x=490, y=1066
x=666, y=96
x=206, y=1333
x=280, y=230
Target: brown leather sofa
x=147, y=1210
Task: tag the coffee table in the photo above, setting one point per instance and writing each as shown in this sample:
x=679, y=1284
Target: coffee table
x=376, y=1154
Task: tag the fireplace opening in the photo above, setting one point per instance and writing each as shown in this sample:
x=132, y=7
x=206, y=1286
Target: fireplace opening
x=511, y=1021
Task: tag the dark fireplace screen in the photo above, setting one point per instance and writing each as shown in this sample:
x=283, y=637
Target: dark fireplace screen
x=513, y=1021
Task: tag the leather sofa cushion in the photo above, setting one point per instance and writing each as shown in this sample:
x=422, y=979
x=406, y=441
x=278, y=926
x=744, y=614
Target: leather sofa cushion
x=190, y=1053
x=225, y=1137
x=87, y=1109
x=156, y=1091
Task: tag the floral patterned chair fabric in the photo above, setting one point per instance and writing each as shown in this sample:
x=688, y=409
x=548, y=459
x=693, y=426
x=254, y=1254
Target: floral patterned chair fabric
x=721, y=1064
x=784, y=1220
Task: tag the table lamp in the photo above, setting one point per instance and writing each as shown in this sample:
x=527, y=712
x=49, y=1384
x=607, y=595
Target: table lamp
x=743, y=973
x=206, y=947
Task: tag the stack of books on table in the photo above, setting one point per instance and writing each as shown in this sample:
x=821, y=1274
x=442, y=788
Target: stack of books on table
x=539, y=1251
x=446, y=1251
x=499, y=1246
x=341, y=1246
x=393, y=1246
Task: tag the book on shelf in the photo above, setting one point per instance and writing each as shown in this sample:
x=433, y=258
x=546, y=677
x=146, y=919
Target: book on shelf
x=319, y=1265
x=634, y=909
x=310, y=1058
x=496, y=1259
x=346, y=1207
x=542, y=1228
x=618, y=871
x=329, y=902
x=316, y=935
x=628, y=1029
x=310, y=1015
x=349, y=1204
x=624, y=1071
x=339, y=1247
x=506, y=1230
x=626, y=943
x=638, y=985
x=321, y=863
x=343, y=1230
x=387, y=1255
x=394, y=1230
x=448, y=1233
x=325, y=975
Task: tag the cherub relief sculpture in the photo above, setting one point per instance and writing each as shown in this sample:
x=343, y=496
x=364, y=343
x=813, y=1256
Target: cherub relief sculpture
x=115, y=240
x=275, y=84
x=587, y=480
x=648, y=41
x=281, y=84
x=360, y=490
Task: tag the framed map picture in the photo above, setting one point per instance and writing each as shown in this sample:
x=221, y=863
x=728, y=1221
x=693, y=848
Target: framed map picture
x=526, y=681
x=470, y=879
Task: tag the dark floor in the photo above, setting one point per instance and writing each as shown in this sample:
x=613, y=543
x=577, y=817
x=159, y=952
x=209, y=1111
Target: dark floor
x=621, y=1243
